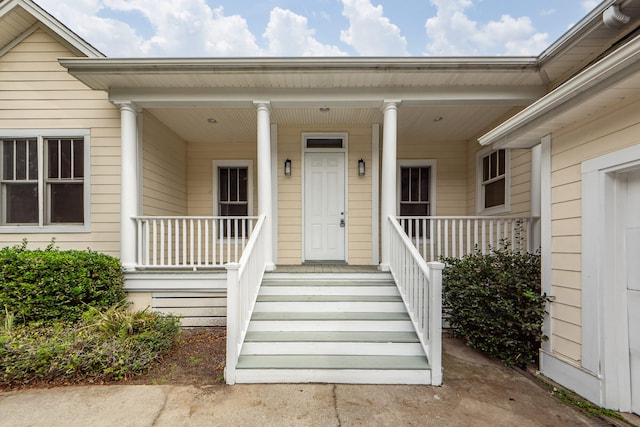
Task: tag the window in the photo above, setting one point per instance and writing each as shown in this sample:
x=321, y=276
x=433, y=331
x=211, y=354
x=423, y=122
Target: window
x=43, y=181
x=416, y=193
x=493, y=192
x=233, y=191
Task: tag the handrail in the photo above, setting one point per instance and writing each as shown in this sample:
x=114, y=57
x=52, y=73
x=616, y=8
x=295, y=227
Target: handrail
x=192, y=242
x=243, y=284
x=420, y=285
x=457, y=236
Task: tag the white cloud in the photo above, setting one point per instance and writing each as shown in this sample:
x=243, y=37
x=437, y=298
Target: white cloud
x=589, y=5
x=183, y=28
x=180, y=28
x=289, y=35
x=370, y=33
x=452, y=33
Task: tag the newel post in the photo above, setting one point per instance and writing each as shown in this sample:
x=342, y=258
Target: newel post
x=233, y=320
x=435, y=321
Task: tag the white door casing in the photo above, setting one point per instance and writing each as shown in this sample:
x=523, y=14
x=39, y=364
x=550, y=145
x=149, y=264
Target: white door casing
x=631, y=236
x=324, y=206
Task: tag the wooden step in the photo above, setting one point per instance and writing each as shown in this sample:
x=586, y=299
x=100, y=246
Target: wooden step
x=332, y=362
x=343, y=329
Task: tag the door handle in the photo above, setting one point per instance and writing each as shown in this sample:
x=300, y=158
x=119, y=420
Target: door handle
x=342, y=222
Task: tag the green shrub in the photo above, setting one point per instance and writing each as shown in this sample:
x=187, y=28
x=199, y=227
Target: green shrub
x=45, y=285
x=97, y=348
x=493, y=301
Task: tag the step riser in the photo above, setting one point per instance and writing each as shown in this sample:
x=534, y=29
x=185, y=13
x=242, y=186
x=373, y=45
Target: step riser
x=330, y=290
x=268, y=376
x=331, y=307
x=335, y=277
x=330, y=325
x=322, y=283
x=332, y=348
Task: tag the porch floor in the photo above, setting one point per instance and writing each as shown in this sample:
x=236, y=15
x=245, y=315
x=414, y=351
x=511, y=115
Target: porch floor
x=326, y=268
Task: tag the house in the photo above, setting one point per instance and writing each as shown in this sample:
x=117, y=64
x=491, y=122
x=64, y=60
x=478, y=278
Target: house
x=202, y=174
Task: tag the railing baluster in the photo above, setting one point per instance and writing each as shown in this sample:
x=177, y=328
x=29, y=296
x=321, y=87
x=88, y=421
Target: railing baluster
x=235, y=240
x=154, y=235
x=461, y=238
x=454, y=238
x=432, y=237
x=185, y=241
x=191, y=242
x=162, y=253
x=446, y=237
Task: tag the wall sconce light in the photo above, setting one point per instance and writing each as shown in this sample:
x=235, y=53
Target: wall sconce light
x=361, y=167
x=287, y=167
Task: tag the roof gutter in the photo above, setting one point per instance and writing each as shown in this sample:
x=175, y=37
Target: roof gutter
x=602, y=74
x=222, y=65
x=576, y=33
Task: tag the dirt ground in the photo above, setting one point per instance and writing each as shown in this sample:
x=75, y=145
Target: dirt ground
x=197, y=359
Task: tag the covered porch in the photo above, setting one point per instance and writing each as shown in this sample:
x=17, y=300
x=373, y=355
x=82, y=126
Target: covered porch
x=230, y=168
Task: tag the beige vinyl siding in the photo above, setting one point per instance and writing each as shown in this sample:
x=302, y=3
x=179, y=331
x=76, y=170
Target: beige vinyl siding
x=164, y=169
x=200, y=157
x=37, y=93
x=290, y=196
x=359, y=215
x=613, y=130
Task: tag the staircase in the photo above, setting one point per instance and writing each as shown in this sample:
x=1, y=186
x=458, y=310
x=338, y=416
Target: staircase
x=331, y=328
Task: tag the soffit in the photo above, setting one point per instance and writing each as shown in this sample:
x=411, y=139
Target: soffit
x=586, y=42
x=13, y=24
x=458, y=123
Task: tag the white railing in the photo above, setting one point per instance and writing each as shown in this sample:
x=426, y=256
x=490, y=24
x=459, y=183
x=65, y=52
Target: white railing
x=420, y=285
x=243, y=284
x=191, y=241
x=457, y=236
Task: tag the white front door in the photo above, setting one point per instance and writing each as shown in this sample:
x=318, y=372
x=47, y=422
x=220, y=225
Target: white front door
x=324, y=207
x=632, y=246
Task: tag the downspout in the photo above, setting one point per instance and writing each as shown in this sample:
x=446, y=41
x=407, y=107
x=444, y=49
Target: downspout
x=614, y=18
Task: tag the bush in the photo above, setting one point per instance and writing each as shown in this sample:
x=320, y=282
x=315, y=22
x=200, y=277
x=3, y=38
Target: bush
x=109, y=344
x=493, y=301
x=45, y=285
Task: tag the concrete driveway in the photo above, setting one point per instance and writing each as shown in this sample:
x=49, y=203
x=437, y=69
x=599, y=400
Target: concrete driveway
x=477, y=391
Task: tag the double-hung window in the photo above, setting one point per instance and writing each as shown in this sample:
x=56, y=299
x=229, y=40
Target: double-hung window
x=43, y=182
x=416, y=193
x=493, y=191
x=233, y=190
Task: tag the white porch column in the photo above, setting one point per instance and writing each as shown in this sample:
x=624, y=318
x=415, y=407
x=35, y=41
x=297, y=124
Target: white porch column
x=128, y=183
x=388, y=186
x=264, y=177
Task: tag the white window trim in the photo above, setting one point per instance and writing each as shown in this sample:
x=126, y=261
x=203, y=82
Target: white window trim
x=230, y=164
x=430, y=163
x=480, y=188
x=41, y=135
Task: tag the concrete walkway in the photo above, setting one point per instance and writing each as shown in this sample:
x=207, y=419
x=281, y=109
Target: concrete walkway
x=477, y=391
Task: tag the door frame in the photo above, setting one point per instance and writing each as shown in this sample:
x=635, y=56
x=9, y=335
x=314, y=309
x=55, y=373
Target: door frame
x=605, y=333
x=345, y=150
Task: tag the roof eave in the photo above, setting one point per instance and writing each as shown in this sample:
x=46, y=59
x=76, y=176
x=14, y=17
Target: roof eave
x=602, y=74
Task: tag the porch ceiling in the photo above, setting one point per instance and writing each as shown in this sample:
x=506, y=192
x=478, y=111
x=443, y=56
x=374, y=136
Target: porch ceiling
x=458, y=123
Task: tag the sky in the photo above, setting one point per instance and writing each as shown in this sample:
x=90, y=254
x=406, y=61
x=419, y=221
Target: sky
x=303, y=28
